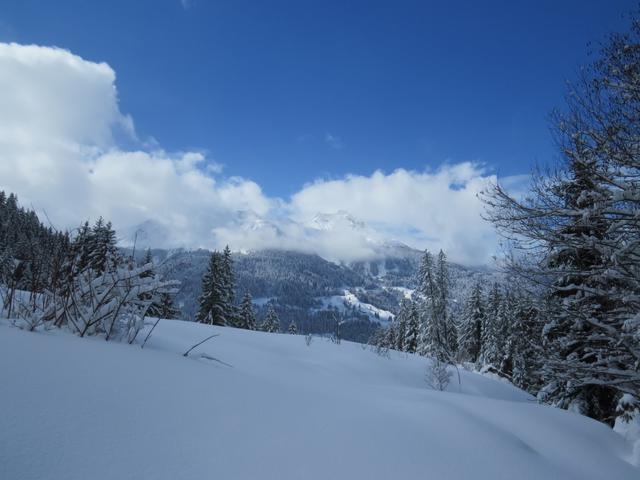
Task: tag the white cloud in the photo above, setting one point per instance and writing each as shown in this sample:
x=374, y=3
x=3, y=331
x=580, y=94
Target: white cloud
x=434, y=210
x=59, y=152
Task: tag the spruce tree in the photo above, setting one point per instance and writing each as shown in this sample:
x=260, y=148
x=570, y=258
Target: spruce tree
x=438, y=333
x=103, y=252
x=246, y=316
x=524, y=345
x=578, y=236
x=428, y=304
x=491, y=351
x=155, y=309
x=399, y=325
x=165, y=307
x=213, y=308
x=449, y=330
x=228, y=283
x=472, y=322
x=293, y=328
x=271, y=322
x=412, y=331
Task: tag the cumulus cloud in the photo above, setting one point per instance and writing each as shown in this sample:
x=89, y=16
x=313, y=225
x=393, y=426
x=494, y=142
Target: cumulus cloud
x=437, y=209
x=61, y=133
x=59, y=152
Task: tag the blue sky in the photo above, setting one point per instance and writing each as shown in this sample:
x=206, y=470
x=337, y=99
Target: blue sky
x=283, y=92
x=324, y=127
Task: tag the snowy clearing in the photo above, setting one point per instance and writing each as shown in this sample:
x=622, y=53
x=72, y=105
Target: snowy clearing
x=82, y=409
x=349, y=299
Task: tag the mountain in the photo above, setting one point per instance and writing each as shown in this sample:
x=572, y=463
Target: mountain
x=314, y=292
x=333, y=221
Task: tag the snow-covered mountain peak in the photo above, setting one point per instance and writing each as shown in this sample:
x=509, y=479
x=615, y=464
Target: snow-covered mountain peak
x=332, y=221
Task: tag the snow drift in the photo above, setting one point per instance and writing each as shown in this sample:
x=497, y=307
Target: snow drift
x=275, y=409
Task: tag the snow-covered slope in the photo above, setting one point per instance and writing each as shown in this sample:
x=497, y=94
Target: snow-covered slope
x=350, y=300
x=83, y=408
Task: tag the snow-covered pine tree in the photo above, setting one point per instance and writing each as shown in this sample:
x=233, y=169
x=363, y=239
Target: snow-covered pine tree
x=102, y=246
x=448, y=327
x=428, y=297
x=165, y=307
x=524, y=344
x=471, y=326
x=504, y=329
x=246, y=316
x=438, y=333
x=399, y=325
x=214, y=308
x=228, y=282
x=155, y=308
x=293, y=328
x=379, y=341
x=581, y=223
x=412, y=331
x=271, y=322
x=491, y=353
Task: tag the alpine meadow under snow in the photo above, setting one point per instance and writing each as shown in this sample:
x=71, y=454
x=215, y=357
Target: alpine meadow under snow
x=258, y=405
x=164, y=317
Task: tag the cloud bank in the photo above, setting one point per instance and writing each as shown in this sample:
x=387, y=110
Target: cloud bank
x=61, y=137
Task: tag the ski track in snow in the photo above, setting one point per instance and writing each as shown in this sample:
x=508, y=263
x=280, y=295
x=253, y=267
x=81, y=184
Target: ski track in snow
x=82, y=409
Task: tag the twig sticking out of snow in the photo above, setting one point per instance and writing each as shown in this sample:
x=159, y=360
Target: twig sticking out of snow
x=149, y=334
x=186, y=354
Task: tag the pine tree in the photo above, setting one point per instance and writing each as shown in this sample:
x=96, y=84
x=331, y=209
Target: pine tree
x=103, y=251
x=246, y=316
x=228, y=283
x=293, y=329
x=505, y=325
x=438, y=333
x=165, y=307
x=491, y=351
x=472, y=323
x=412, y=331
x=271, y=323
x=578, y=235
x=399, y=326
x=155, y=308
x=214, y=308
x=449, y=330
x=524, y=345
x=428, y=304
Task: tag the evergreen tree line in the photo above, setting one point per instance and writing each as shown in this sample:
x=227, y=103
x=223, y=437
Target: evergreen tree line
x=217, y=300
x=77, y=280
x=424, y=324
x=569, y=329
x=502, y=332
x=31, y=255
x=575, y=238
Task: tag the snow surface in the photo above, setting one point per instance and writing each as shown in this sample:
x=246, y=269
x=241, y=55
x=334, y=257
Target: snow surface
x=348, y=298
x=73, y=408
x=630, y=430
